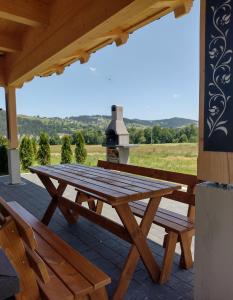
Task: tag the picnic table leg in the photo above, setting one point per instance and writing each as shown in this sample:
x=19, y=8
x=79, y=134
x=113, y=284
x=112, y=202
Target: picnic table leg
x=55, y=194
x=140, y=247
x=186, y=260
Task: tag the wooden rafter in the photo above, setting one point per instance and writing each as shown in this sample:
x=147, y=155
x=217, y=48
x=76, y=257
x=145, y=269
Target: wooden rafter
x=28, y=12
x=79, y=28
x=9, y=43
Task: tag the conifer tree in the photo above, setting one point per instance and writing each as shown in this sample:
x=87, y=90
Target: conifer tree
x=66, y=152
x=80, y=150
x=43, y=154
x=26, y=152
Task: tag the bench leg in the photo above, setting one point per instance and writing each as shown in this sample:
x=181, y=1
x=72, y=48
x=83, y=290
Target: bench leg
x=165, y=240
x=171, y=241
x=99, y=207
x=186, y=260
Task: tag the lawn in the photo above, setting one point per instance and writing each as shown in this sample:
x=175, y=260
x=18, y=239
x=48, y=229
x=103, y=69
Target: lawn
x=173, y=157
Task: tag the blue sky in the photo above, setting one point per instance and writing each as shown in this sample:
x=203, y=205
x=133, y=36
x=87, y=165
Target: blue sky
x=154, y=76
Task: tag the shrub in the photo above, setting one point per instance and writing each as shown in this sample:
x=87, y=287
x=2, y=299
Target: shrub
x=43, y=154
x=66, y=152
x=3, y=155
x=26, y=153
x=80, y=150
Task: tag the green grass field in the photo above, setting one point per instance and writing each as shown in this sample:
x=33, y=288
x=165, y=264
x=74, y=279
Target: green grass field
x=172, y=157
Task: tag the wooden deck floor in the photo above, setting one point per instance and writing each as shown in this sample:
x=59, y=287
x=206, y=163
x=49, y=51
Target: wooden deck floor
x=101, y=247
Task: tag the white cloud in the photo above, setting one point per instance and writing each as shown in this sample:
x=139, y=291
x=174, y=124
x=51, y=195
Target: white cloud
x=176, y=96
x=92, y=69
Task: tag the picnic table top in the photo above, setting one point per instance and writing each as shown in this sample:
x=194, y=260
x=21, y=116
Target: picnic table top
x=113, y=186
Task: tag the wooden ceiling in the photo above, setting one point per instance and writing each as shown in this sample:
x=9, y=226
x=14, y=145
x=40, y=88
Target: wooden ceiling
x=42, y=37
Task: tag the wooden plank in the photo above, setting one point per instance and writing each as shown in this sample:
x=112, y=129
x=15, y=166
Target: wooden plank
x=54, y=289
x=159, y=221
x=128, y=177
x=24, y=228
x=112, y=196
x=96, y=181
x=176, y=215
x=106, y=179
x=79, y=183
x=182, y=197
x=185, y=179
x=88, y=270
x=166, y=215
x=13, y=246
x=37, y=264
x=120, y=177
x=70, y=276
x=32, y=13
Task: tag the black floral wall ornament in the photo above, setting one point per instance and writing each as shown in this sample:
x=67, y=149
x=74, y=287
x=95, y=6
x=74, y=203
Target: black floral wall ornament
x=218, y=127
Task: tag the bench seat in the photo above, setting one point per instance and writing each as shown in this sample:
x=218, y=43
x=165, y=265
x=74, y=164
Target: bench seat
x=70, y=275
x=164, y=218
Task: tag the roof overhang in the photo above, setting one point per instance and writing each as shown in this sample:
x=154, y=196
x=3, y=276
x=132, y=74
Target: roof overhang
x=48, y=37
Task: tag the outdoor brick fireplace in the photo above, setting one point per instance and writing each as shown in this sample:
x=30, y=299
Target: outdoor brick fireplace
x=117, y=138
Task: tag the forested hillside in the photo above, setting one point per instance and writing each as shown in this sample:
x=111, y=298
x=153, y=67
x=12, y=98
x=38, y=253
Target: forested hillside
x=53, y=126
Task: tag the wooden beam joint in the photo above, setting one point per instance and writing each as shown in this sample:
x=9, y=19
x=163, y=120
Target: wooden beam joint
x=183, y=9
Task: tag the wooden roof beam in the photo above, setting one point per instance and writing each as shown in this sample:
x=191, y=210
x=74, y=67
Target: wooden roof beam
x=28, y=12
x=81, y=26
x=9, y=43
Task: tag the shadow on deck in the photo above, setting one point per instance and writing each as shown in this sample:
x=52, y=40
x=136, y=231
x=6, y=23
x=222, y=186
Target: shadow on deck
x=105, y=250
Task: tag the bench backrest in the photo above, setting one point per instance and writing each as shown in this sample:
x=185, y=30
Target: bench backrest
x=187, y=197
x=18, y=241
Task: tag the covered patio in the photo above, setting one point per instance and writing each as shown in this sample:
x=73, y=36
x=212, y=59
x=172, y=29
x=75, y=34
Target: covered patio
x=42, y=37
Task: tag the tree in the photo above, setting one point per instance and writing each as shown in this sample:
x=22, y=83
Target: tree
x=34, y=146
x=80, y=150
x=43, y=154
x=139, y=137
x=66, y=152
x=148, y=135
x=3, y=155
x=183, y=138
x=156, y=133
x=26, y=152
x=55, y=140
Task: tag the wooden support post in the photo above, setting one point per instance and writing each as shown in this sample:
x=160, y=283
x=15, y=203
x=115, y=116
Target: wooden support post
x=12, y=135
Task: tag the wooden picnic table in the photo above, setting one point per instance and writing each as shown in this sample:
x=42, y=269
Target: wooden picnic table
x=116, y=189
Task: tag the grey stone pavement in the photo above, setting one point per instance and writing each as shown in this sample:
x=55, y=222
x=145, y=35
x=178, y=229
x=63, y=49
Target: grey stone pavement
x=102, y=248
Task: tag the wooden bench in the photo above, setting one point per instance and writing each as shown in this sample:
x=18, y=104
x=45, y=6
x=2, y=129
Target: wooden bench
x=179, y=228
x=48, y=267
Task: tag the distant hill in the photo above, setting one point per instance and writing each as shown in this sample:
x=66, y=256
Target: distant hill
x=33, y=125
